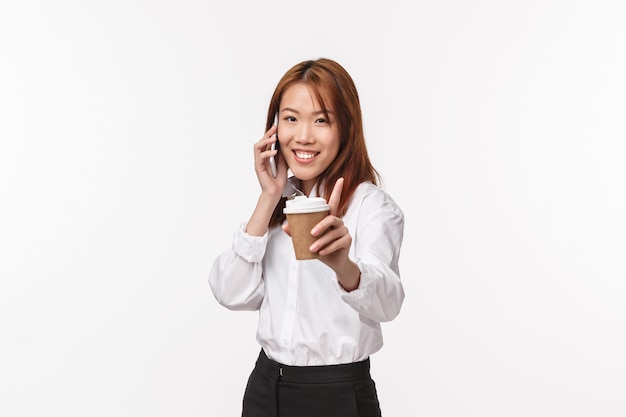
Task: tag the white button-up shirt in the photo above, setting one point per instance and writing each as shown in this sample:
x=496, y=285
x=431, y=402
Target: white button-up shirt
x=305, y=317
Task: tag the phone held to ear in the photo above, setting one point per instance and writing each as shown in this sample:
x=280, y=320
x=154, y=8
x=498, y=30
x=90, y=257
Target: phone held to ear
x=273, y=147
x=273, y=161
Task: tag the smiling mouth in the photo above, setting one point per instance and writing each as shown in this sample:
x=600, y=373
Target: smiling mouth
x=305, y=155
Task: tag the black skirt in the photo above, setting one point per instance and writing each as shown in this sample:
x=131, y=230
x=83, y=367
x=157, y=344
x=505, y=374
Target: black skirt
x=276, y=390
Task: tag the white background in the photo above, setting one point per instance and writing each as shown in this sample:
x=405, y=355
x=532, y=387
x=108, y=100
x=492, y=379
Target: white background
x=126, y=134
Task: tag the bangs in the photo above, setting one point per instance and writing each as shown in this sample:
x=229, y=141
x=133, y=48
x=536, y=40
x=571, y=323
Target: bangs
x=320, y=85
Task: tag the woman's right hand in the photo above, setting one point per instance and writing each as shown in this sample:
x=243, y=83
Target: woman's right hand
x=269, y=185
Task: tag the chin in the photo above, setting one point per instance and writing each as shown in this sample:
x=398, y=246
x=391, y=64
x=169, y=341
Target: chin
x=304, y=176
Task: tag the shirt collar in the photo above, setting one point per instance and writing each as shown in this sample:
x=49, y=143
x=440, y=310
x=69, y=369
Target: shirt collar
x=293, y=187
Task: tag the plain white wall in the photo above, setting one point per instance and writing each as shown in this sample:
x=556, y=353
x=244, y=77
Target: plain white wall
x=126, y=134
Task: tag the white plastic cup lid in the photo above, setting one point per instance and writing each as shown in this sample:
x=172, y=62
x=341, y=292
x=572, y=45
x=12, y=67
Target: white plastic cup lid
x=303, y=204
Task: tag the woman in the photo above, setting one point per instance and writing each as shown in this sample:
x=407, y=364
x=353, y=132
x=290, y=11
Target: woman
x=319, y=320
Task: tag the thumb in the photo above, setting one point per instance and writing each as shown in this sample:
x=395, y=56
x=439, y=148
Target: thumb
x=335, y=196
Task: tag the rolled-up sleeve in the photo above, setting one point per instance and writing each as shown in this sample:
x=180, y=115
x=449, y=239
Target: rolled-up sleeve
x=236, y=277
x=377, y=241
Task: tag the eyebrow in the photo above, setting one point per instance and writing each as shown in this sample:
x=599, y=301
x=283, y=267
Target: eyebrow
x=315, y=113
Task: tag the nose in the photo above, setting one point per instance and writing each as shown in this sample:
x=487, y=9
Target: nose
x=304, y=134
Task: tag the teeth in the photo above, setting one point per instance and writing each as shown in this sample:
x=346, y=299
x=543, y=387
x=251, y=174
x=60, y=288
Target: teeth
x=305, y=155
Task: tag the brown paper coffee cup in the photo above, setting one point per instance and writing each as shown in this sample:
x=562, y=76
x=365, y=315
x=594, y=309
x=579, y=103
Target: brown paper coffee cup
x=300, y=226
x=302, y=214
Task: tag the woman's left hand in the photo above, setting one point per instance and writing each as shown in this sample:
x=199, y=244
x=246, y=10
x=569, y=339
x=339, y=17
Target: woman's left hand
x=334, y=238
x=334, y=243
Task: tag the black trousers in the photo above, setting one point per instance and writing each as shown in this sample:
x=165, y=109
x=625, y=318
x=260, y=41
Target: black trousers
x=276, y=390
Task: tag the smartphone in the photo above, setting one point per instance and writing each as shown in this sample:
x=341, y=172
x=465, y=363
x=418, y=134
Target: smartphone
x=273, y=147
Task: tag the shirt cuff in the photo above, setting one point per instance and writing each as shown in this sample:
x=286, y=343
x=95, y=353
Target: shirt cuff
x=251, y=248
x=361, y=297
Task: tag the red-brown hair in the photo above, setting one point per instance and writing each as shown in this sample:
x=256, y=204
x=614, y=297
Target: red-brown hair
x=334, y=89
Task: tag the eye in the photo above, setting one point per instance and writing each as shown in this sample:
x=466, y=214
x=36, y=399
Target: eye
x=290, y=119
x=321, y=120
